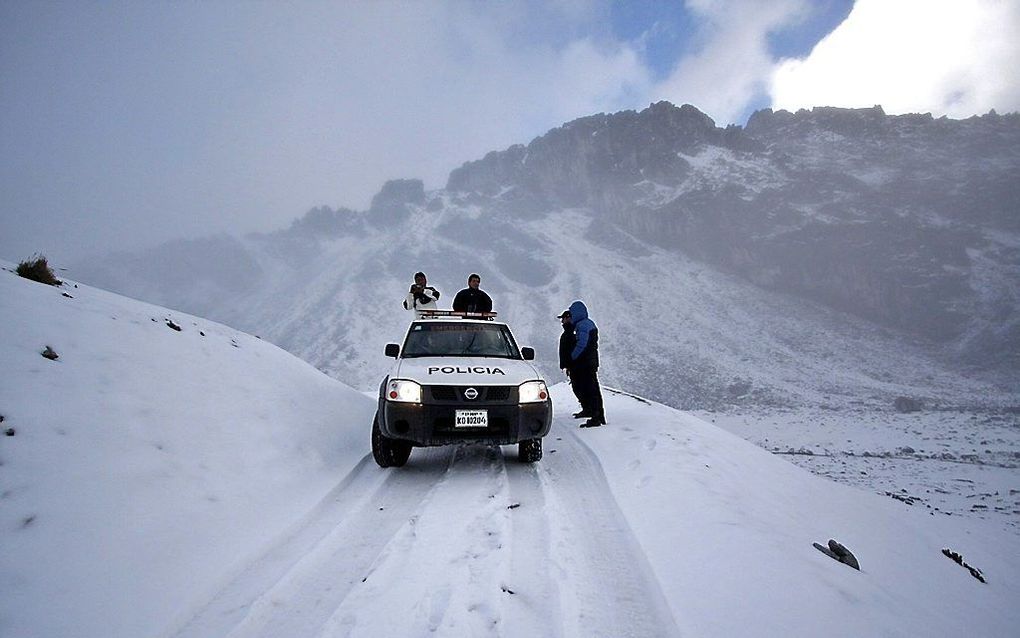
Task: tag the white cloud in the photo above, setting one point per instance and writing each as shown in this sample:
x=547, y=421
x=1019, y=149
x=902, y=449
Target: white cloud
x=211, y=117
x=167, y=120
x=947, y=57
x=388, y=90
x=733, y=63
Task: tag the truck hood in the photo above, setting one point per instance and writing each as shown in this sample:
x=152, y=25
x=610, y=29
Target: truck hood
x=465, y=371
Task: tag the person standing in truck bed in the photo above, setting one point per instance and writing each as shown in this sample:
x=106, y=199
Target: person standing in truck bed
x=472, y=298
x=421, y=296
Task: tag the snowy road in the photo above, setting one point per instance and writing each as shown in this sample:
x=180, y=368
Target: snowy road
x=461, y=541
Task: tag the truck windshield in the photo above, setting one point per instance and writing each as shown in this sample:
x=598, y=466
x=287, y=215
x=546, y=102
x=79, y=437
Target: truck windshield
x=459, y=339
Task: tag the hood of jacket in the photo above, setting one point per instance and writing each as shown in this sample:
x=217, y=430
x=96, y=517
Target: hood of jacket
x=578, y=312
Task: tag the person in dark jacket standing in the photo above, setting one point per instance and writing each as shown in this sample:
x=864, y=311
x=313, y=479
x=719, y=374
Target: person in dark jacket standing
x=472, y=298
x=584, y=366
x=567, y=343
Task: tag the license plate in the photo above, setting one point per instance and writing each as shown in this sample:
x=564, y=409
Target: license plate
x=471, y=418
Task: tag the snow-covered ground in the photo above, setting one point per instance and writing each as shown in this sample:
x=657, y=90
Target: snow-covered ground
x=147, y=463
x=173, y=483
x=949, y=463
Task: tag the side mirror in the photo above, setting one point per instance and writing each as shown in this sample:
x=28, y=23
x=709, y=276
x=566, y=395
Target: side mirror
x=392, y=350
x=527, y=353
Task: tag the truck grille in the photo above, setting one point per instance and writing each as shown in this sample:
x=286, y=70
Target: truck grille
x=456, y=393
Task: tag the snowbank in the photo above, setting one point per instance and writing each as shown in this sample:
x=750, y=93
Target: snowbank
x=147, y=462
x=728, y=529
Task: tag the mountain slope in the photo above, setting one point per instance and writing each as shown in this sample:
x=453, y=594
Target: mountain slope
x=170, y=483
x=673, y=329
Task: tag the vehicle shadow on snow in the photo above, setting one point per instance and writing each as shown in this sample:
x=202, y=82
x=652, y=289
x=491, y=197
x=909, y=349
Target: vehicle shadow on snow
x=428, y=459
x=444, y=457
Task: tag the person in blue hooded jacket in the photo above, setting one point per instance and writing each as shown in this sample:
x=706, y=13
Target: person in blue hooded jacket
x=584, y=366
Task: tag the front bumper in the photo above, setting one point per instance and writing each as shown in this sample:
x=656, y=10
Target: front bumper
x=432, y=422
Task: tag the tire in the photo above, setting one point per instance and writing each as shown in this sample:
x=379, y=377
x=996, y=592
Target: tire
x=529, y=451
x=388, y=452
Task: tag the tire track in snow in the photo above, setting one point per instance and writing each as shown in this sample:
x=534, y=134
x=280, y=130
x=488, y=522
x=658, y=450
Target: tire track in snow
x=607, y=586
x=293, y=587
x=435, y=548
x=533, y=608
x=443, y=575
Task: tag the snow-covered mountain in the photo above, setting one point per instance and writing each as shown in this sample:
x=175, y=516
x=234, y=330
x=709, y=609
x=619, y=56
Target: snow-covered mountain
x=904, y=220
x=166, y=475
x=828, y=258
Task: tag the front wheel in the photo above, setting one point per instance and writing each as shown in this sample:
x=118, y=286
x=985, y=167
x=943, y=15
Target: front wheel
x=388, y=452
x=529, y=451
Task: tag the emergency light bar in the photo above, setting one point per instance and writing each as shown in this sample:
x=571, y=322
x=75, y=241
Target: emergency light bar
x=436, y=314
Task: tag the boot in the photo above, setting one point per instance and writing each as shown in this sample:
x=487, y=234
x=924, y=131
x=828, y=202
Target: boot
x=592, y=423
x=582, y=415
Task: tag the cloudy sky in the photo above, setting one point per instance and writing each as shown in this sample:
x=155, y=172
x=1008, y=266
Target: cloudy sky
x=123, y=124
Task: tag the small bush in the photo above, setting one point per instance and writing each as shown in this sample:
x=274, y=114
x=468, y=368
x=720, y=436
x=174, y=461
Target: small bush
x=37, y=269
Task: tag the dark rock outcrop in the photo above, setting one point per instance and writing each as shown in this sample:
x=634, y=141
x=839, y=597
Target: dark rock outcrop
x=390, y=204
x=906, y=405
x=594, y=161
x=323, y=221
x=837, y=551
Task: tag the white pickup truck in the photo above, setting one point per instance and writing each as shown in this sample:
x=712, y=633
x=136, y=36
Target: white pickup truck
x=460, y=380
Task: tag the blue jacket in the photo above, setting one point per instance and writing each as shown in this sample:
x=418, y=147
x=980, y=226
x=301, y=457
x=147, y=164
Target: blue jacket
x=586, y=351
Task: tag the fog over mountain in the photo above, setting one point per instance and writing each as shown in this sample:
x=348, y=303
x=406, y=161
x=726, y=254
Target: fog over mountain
x=832, y=257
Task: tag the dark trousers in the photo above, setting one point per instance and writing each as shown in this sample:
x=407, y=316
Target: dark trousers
x=586, y=385
x=577, y=393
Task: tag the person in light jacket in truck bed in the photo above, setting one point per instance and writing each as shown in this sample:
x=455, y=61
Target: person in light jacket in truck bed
x=421, y=296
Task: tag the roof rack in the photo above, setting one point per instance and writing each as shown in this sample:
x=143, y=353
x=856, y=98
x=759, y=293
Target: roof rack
x=445, y=314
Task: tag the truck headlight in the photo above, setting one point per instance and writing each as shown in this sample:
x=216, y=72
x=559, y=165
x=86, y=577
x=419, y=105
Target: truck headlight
x=403, y=391
x=533, y=392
